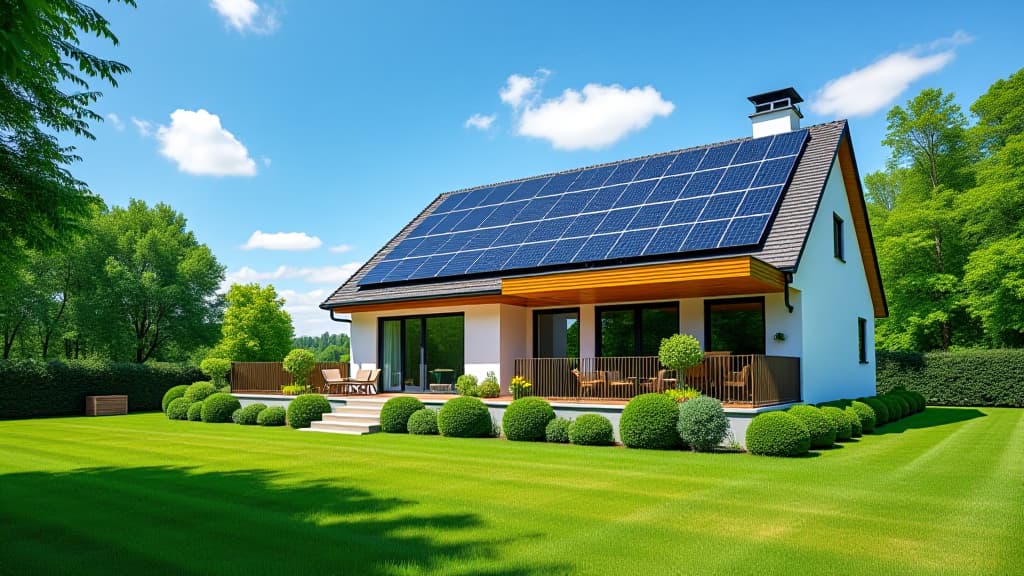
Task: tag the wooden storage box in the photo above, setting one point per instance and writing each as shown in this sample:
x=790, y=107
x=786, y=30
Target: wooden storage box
x=106, y=405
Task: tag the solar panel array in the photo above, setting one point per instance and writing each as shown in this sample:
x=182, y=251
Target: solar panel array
x=696, y=200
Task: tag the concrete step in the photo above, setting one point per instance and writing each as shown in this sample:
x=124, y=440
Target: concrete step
x=365, y=402
x=345, y=427
x=359, y=416
x=361, y=408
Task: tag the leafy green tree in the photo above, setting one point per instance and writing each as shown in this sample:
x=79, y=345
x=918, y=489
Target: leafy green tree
x=299, y=362
x=154, y=285
x=1000, y=112
x=256, y=326
x=45, y=92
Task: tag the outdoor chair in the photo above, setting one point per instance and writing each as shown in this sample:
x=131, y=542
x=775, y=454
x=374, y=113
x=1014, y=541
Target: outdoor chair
x=661, y=382
x=365, y=382
x=588, y=381
x=737, y=384
x=619, y=385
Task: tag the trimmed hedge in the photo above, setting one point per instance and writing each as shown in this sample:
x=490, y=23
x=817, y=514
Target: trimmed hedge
x=489, y=389
x=823, y=435
x=464, y=417
x=526, y=419
x=650, y=421
x=703, y=423
x=557, y=431
x=881, y=409
x=273, y=416
x=866, y=414
x=956, y=378
x=394, y=416
x=217, y=408
x=857, y=430
x=195, y=412
x=591, y=430
x=173, y=394
x=423, y=422
x=777, y=434
x=250, y=414
x=35, y=389
x=200, y=391
x=178, y=409
x=840, y=422
x=307, y=408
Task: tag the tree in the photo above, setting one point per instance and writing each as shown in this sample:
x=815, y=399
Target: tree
x=680, y=352
x=154, y=289
x=41, y=203
x=256, y=326
x=298, y=363
x=1000, y=112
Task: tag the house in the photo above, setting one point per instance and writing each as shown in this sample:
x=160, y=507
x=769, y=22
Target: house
x=760, y=247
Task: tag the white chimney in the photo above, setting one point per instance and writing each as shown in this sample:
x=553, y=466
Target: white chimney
x=776, y=112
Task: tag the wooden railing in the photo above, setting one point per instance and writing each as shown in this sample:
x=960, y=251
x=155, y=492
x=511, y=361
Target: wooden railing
x=747, y=379
x=269, y=377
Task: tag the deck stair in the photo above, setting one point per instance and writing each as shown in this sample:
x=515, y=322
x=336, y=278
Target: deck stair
x=357, y=417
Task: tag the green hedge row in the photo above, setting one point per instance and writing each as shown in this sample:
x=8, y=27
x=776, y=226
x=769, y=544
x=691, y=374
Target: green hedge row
x=957, y=378
x=34, y=389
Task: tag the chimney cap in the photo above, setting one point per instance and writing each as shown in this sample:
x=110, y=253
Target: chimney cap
x=776, y=95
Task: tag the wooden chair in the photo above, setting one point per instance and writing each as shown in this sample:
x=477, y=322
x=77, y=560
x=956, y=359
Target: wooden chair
x=619, y=385
x=364, y=383
x=588, y=381
x=661, y=382
x=332, y=379
x=738, y=381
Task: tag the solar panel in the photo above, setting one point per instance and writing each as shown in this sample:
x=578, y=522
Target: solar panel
x=715, y=197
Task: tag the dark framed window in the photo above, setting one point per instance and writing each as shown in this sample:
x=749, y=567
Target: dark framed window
x=415, y=351
x=556, y=333
x=734, y=325
x=862, y=340
x=636, y=329
x=838, y=242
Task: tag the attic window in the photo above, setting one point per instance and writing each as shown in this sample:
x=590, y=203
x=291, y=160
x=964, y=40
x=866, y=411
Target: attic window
x=774, y=105
x=838, y=242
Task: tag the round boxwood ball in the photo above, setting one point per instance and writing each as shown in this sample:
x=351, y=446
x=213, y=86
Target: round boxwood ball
x=423, y=422
x=702, y=423
x=898, y=408
x=855, y=426
x=591, y=430
x=526, y=419
x=199, y=391
x=557, y=431
x=464, y=417
x=173, y=393
x=489, y=389
x=307, y=408
x=177, y=409
x=823, y=435
x=218, y=407
x=881, y=409
x=195, y=412
x=394, y=416
x=249, y=414
x=840, y=422
x=777, y=434
x=650, y=421
x=866, y=414
x=273, y=416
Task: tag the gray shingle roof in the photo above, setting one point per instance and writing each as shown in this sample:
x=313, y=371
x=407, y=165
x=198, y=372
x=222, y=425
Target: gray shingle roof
x=782, y=246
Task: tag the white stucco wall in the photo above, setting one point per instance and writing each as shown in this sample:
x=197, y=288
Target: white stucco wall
x=834, y=294
x=515, y=339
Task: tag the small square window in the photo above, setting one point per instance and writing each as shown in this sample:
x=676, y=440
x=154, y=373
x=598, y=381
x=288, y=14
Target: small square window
x=838, y=241
x=862, y=340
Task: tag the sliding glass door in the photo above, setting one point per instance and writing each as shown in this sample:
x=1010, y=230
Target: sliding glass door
x=419, y=351
x=635, y=330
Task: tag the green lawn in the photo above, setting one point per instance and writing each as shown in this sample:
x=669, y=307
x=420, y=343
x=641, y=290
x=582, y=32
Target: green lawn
x=941, y=492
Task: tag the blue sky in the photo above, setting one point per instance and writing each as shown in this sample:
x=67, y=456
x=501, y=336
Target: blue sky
x=298, y=136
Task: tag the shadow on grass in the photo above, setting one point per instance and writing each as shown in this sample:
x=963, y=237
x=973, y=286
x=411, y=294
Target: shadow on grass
x=931, y=417
x=166, y=520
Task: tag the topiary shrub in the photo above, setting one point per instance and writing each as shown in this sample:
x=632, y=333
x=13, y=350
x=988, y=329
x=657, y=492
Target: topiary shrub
x=394, y=416
x=915, y=400
x=199, y=391
x=195, y=412
x=219, y=407
x=777, y=434
x=466, y=385
x=702, y=423
x=178, y=409
x=527, y=419
x=855, y=425
x=680, y=352
x=897, y=405
x=423, y=422
x=235, y=415
x=866, y=415
x=273, y=416
x=490, y=388
x=217, y=370
x=249, y=414
x=298, y=363
x=464, y=417
x=591, y=430
x=823, y=435
x=307, y=408
x=650, y=421
x=173, y=394
x=557, y=431
x=880, y=409
x=840, y=422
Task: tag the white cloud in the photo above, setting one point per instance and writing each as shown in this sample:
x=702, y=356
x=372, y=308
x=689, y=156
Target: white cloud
x=480, y=122
x=145, y=127
x=341, y=248
x=595, y=118
x=247, y=15
x=333, y=275
x=867, y=90
x=200, y=146
x=307, y=317
x=115, y=121
x=521, y=89
x=282, y=241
